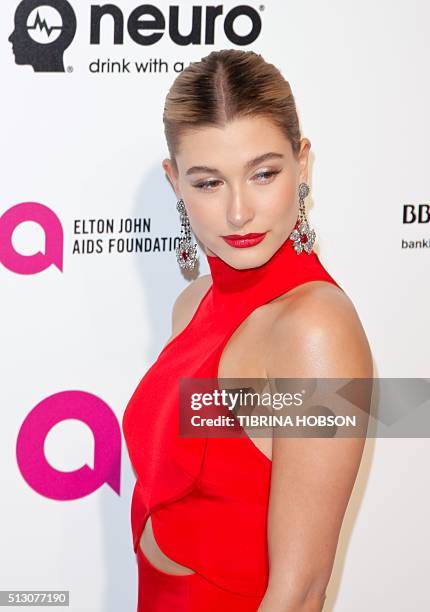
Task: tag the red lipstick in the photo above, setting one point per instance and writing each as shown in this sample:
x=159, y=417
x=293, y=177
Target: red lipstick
x=247, y=240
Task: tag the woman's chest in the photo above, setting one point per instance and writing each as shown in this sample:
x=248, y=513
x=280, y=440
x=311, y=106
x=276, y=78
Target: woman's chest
x=224, y=351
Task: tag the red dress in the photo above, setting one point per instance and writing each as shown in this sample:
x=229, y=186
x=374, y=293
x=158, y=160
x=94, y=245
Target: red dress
x=207, y=497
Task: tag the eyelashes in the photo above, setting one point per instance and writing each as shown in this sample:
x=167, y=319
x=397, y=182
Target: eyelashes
x=268, y=173
x=208, y=185
x=205, y=184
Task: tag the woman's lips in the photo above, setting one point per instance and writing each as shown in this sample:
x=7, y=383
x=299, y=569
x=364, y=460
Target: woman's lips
x=240, y=242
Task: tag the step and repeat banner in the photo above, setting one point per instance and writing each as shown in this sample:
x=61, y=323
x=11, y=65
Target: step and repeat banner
x=88, y=272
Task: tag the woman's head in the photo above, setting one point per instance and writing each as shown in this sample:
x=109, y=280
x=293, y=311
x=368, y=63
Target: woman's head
x=236, y=154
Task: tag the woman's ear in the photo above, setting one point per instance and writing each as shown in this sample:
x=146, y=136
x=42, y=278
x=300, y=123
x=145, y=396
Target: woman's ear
x=171, y=175
x=303, y=158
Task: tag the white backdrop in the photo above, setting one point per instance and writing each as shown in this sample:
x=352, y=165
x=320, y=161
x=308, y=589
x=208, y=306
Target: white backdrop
x=81, y=145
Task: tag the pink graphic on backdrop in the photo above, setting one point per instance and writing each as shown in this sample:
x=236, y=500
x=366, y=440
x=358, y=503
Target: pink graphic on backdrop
x=56, y=484
x=51, y=224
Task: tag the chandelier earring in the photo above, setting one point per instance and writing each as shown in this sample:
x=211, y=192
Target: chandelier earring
x=186, y=251
x=303, y=236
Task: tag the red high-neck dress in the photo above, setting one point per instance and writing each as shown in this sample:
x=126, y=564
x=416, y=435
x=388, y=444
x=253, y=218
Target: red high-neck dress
x=207, y=497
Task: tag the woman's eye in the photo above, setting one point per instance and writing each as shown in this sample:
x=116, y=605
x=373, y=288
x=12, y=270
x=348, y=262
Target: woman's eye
x=210, y=184
x=206, y=185
x=267, y=174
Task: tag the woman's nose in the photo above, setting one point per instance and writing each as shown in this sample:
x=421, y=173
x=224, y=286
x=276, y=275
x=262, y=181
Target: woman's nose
x=239, y=211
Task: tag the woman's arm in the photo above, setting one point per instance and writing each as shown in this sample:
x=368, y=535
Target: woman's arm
x=318, y=335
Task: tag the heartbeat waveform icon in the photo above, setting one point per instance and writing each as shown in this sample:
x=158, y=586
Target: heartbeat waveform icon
x=42, y=25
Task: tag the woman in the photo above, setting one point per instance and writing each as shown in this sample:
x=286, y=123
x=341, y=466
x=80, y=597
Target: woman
x=234, y=523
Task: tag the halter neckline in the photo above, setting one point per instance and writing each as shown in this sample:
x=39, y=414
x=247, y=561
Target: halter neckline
x=227, y=279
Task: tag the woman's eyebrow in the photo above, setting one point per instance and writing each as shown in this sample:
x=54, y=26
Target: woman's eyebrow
x=249, y=164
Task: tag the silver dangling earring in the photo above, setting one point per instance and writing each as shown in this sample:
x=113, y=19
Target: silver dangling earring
x=303, y=237
x=186, y=251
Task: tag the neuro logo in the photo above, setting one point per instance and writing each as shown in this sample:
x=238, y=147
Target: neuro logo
x=44, y=478
x=37, y=262
x=43, y=31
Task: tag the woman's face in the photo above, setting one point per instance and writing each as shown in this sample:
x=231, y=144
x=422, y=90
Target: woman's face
x=238, y=180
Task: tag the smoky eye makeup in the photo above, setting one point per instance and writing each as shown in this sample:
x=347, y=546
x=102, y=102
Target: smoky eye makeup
x=206, y=184
x=264, y=175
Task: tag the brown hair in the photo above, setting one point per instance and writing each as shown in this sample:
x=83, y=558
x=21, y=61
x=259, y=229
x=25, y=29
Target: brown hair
x=225, y=85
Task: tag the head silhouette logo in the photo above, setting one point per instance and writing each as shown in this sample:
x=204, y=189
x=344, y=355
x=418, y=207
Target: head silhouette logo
x=37, y=262
x=43, y=30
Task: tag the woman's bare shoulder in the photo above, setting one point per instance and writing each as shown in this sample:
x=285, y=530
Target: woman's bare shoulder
x=187, y=302
x=318, y=332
